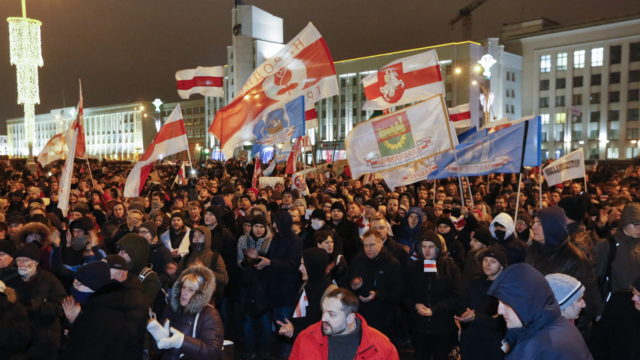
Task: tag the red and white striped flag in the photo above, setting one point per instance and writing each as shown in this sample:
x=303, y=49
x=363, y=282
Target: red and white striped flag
x=310, y=115
x=301, y=308
x=293, y=157
x=460, y=116
x=55, y=149
x=302, y=67
x=75, y=140
x=256, y=172
x=171, y=139
x=405, y=80
x=182, y=173
x=430, y=266
x=206, y=81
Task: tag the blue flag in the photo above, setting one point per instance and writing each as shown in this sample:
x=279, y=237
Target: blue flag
x=498, y=152
x=280, y=125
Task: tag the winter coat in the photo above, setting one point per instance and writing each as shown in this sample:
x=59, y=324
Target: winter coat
x=226, y=244
x=285, y=251
x=404, y=234
x=98, y=332
x=396, y=250
x=545, y=334
x=515, y=248
x=617, y=335
x=383, y=274
x=481, y=338
x=198, y=321
x=440, y=291
x=137, y=248
x=312, y=344
x=349, y=234
x=15, y=332
x=42, y=296
x=626, y=264
x=209, y=259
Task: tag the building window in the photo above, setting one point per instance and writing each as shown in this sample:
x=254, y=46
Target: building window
x=613, y=115
x=561, y=118
x=559, y=135
x=595, y=98
x=596, y=79
x=561, y=83
x=633, y=95
x=595, y=116
x=633, y=133
x=634, y=75
x=560, y=100
x=576, y=99
x=577, y=81
x=544, y=119
x=614, y=78
x=633, y=114
x=513, y=76
x=615, y=54
x=561, y=61
x=545, y=63
x=634, y=52
x=614, y=96
x=544, y=102
x=612, y=152
x=544, y=85
x=597, y=57
x=578, y=59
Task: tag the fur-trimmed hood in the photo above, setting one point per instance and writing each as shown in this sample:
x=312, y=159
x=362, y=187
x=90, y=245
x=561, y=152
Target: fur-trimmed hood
x=35, y=228
x=201, y=298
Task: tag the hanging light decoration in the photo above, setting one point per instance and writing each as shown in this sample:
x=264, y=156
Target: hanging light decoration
x=26, y=54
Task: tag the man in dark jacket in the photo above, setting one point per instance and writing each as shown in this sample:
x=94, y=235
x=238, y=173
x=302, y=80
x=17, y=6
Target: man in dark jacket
x=135, y=250
x=376, y=277
x=347, y=230
x=535, y=327
x=551, y=252
x=503, y=231
x=15, y=332
x=8, y=267
x=41, y=293
x=134, y=219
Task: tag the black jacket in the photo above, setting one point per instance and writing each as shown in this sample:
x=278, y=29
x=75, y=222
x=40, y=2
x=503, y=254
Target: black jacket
x=481, y=338
x=99, y=332
x=350, y=236
x=15, y=332
x=285, y=252
x=441, y=292
x=617, y=334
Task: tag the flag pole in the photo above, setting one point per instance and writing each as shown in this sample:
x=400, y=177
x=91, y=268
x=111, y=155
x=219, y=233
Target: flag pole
x=540, y=181
x=93, y=183
x=524, y=148
x=470, y=192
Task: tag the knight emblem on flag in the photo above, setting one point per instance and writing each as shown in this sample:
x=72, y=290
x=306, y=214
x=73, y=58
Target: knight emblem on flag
x=393, y=87
x=393, y=134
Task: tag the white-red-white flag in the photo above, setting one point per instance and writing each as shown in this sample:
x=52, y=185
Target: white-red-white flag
x=293, y=157
x=430, y=266
x=75, y=140
x=182, y=173
x=302, y=67
x=301, y=307
x=405, y=80
x=460, y=116
x=171, y=139
x=55, y=149
x=310, y=115
x=204, y=80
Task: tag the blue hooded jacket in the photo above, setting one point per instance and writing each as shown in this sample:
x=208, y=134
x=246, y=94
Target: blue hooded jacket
x=544, y=334
x=405, y=235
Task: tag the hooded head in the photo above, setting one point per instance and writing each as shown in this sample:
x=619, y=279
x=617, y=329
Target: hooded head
x=35, y=232
x=137, y=248
x=505, y=220
x=554, y=225
x=315, y=262
x=196, y=247
x=630, y=214
x=201, y=298
x=429, y=236
x=574, y=207
x=527, y=292
x=283, y=222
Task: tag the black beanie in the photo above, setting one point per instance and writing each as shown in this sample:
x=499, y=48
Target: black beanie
x=574, y=207
x=93, y=275
x=338, y=206
x=446, y=221
x=482, y=234
x=495, y=252
x=373, y=203
x=318, y=214
x=177, y=214
x=259, y=219
x=315, y=261
x=8, y=247
x=84, y=223
x=31, y=251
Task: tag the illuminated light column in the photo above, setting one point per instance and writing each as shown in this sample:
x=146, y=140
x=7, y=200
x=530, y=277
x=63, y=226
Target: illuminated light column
x=26, y=54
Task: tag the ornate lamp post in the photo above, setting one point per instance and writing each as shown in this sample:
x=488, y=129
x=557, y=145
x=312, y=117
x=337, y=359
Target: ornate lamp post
x=26, y=54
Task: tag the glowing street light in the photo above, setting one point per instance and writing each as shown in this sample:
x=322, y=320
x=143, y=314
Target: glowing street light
x=26, y=54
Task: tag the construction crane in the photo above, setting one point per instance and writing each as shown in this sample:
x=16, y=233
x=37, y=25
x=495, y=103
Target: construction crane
x=464, y=14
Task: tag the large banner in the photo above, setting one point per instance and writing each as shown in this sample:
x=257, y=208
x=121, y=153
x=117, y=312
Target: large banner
x=568, y=167
x=396, y=139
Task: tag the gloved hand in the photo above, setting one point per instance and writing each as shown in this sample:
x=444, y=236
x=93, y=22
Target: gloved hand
x=175, y=341
x=158, y=331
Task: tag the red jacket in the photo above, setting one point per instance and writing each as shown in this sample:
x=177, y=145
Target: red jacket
x=311, y=344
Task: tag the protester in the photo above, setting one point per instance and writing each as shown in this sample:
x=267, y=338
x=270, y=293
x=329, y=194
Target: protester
x=15, y=331
x=568, y=292
x=535, y=327
x=342, y=333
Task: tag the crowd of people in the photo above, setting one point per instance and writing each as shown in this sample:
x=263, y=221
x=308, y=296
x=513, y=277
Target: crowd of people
x=472, y=268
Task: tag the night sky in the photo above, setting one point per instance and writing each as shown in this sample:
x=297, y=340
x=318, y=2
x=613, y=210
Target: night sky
x=129, y=50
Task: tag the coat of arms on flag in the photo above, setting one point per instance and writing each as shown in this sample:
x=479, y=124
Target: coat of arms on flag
x=393, y=134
